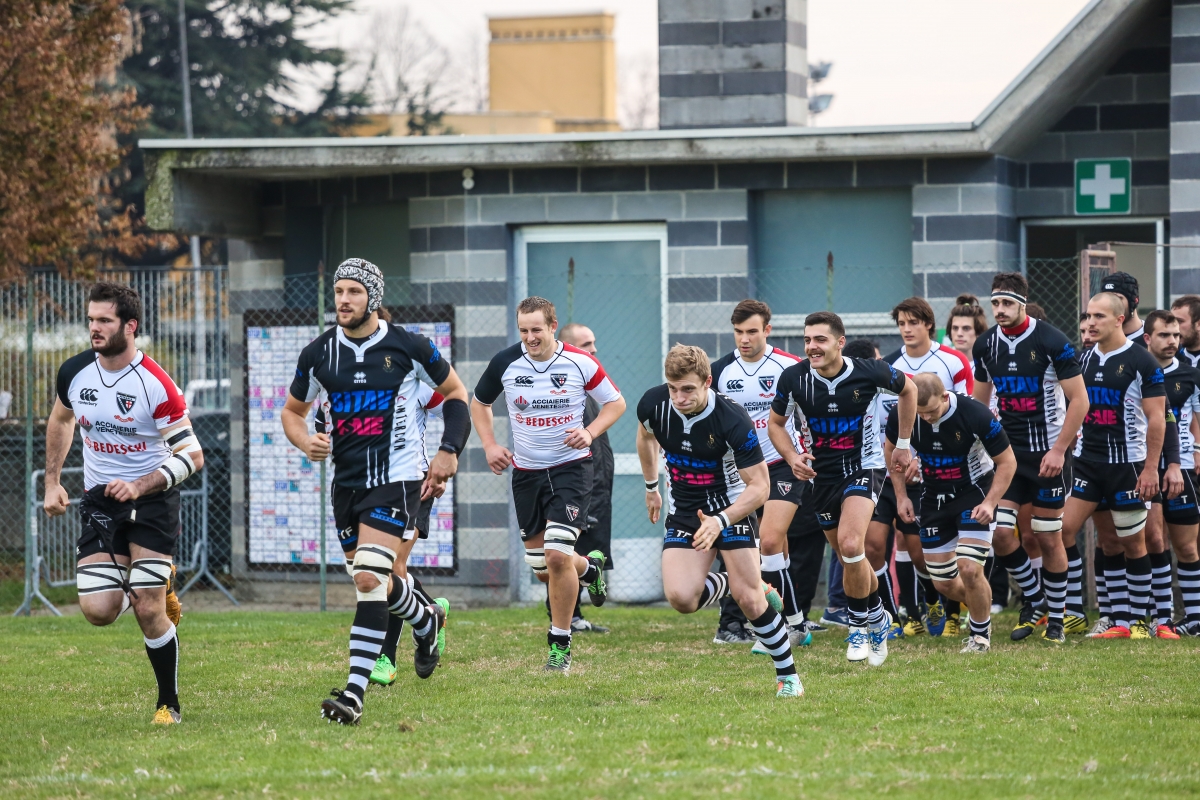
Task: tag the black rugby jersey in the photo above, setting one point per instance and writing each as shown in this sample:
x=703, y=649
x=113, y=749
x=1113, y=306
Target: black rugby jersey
x=752, y=386
x=1026, y=372
x=1114, y=430
x=1188, y=357
x=1182, y=384
x=840, y=414
x=703, y=452
x=956, y=452
x=1139, y=336
x=370, y=403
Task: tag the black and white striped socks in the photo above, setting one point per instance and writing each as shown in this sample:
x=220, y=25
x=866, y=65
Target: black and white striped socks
x=716, y=586
x=405, y=603
x=1139, y=571
x=1189, y=588
x=1118, y=589
x=366, y=639
x=774, y=571
x=1160, y=585
x=1055, y=586
x=1099, y=564
x=1074, y=582
x=773, y=633
x=1018, y=566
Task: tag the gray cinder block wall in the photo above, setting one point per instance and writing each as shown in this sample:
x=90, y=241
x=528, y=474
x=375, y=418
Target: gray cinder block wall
x=732, y=63
x=1185, y=147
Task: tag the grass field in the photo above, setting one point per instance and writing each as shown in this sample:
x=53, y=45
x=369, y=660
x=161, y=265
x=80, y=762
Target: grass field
x=652, y=709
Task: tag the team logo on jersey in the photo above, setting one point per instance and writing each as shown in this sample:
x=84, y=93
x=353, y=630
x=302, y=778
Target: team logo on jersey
x=712, y=440
x=559, y=379
x=1033, y=356
x=767, y=382
x=856, y=397
x=83, y=423
x=87, y=397
x=572, y=511
x=119, y=418
x=360, y=377
x=733, y=386
x=1012, y=366
x=958, y=436
x=1120, y=368
x=834, y=406
x=125, y=402
x=783, y=486
x=521, y=403
x=523, y=380
x=387, y=364
x=686, y=445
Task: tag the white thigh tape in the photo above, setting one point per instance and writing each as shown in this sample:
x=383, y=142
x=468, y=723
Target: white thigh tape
x=557, y=532
x=945, y=571
x=1006, y=518
x=95, y=578
x=560, y=547
x=1128, y=523
x=1046, y=524
x=973, y=552
x=536, y=559
x=149, y=573
x=377, y=560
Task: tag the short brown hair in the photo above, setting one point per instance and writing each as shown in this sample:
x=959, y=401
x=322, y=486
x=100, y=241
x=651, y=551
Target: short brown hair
x=826, y=318
x=125, y=298
x=749, y=308
x=917, y=307
x=1192, y=303
x=1159, y=315
x=967, y=305
x=1035, y=310
x=535, y=303
x=684, y=360
x=928, y=387
x=1010, y=282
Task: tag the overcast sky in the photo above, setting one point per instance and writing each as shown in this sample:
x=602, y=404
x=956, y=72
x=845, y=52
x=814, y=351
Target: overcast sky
x=908, y=61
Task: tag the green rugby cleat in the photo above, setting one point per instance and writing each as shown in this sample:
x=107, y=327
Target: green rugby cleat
x=773, y=598
x=559, y=660
x=445, y=604
x=384, y=672
x=597, y=590
x=788, y=686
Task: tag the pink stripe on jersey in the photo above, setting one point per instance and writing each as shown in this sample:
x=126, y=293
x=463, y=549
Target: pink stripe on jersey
x=173, y=408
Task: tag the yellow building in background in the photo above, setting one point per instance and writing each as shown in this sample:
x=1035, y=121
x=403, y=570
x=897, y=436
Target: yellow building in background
x=545, y=75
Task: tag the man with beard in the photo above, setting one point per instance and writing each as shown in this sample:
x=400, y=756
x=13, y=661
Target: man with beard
x=1186, y=309
x=134, y=422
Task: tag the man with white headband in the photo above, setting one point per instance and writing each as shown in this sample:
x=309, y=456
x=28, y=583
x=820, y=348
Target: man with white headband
x=368, y=375
x=1042, y=402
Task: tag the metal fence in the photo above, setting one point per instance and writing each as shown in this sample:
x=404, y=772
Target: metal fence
x=253, y=521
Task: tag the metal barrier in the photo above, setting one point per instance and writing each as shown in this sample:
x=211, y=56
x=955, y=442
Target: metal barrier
x=54, y=539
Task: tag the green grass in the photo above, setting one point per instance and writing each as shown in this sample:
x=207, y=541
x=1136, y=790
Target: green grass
x=652, y=709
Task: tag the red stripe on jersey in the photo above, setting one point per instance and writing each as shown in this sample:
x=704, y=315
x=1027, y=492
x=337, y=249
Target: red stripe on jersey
x=600, y=373
x=964, y=374
x=173, y=408
x=435, y=400
x=786, y=354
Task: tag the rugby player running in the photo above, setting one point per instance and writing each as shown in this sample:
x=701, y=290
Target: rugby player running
x=836, y=396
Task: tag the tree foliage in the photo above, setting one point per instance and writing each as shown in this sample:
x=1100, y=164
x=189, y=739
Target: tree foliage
x=59, y=113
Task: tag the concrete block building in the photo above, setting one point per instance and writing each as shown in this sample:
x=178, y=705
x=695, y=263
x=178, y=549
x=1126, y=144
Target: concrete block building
x=650, y=237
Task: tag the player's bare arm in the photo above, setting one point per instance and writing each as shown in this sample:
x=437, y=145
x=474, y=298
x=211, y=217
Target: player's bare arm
x=60, y=430
x=1155, y=409
x=294, y=418
x=758, y=487
x=1006, y=468
x=647, y=450
x=1077, y=408
x=904, y=506
x=184, y=445
x=982, y=391
x=784, y=444
x=907, y=409
x=498, y=457
x=581, y=438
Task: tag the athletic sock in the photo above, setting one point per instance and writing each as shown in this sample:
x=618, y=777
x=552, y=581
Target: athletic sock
x=1099, y=564
x=1018, y=566
x=403, y=602
x=164, y=659
x=415, y=584
x=1189, y=588
x=983, y=629
x=774, y=571
x=928, y=590
x=857, y=609
x=1074, y=582
x=886, y=595
x=1036, y=564
x=1138, y=571
x=1160, y=585
x=590, y=574
x=772, y=632
x=366, y=638
x=1055, y=586
x=558, y=636
x=392, y=639
x=792, y=613
x=906, y=576
x=1118, y=589
x=716, y=586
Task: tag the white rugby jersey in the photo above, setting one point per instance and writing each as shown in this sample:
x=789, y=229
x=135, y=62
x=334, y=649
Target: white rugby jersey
x=121, y=415
x=752, y=386
x=945, y=362
x=544, y=399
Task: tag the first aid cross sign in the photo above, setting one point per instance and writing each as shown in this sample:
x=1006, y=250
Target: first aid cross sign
x=1103, y=186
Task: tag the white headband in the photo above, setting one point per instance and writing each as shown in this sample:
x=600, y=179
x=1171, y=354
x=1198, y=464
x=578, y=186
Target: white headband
x=1011, y=295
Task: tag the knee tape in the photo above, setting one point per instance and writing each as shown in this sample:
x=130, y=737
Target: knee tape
x=1007, y=518
x=972, y=552
x=1128, y=523
x=149, y=573
x=1051, y=524
x=853, y=559
x=377, y=560
x=945, y=571
x=96, y=578
x=561, y=537
x=536, y=559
